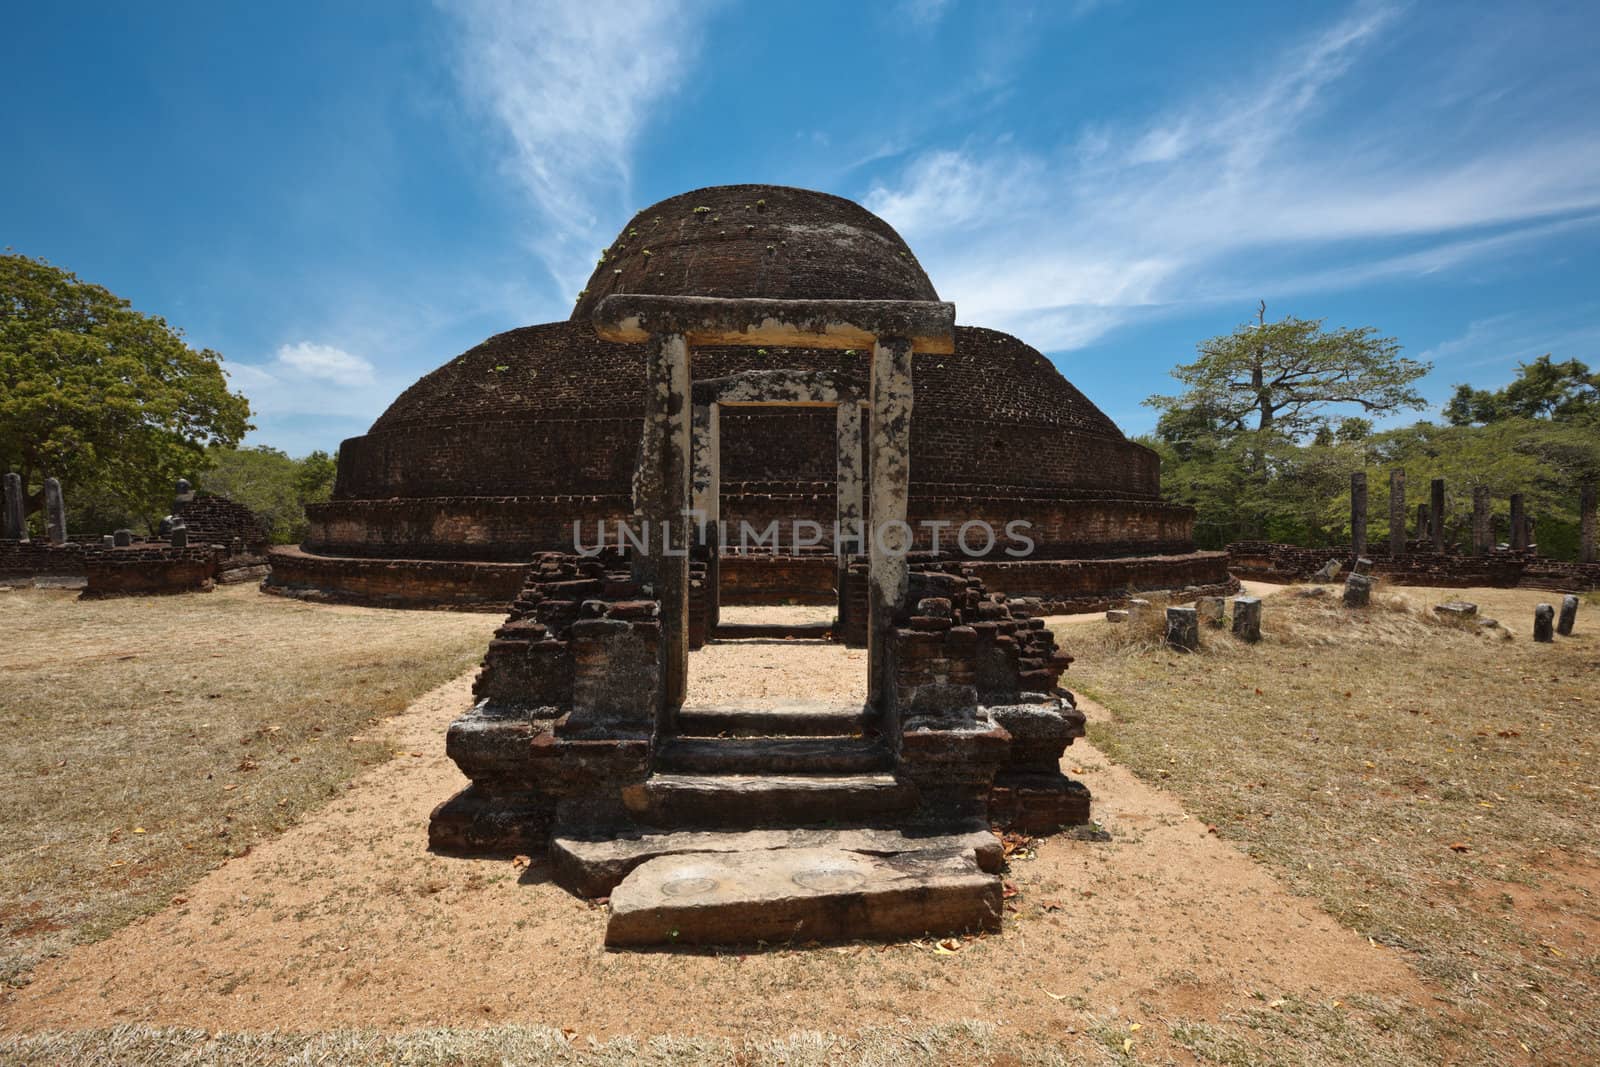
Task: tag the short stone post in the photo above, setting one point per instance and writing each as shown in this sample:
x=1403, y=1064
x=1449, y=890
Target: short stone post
x=1183, y=629
x=108, y=541
x=1569, y=615
x=122, y=538
x=180, y=537
x=1358, y=513
x=16, y=510
x=55, y=512
x=1519, y=527
x=1543, y=619
x=1247, y=618
x=1482, y=530
x=1211, y=610
x=1138, y=608
x=1586, y=509
x=1397, y=513
x=1363, y=566
x=1436, y=514
x=1357, y=591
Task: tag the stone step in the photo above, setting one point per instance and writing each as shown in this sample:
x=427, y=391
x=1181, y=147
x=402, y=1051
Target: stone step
x=772, y=631
x=801, y=894
x=773, y=755
x=790, y=718
x=746, y=801
x=594, y=868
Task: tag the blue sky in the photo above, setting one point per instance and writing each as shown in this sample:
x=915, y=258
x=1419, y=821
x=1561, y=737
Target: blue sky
x=340, y=197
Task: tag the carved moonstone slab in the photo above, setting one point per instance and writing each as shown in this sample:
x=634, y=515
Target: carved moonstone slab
x=801, y=894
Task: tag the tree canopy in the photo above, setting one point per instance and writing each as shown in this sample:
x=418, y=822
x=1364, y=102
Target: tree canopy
x=1287, y=377
x=1542, y=389
x=1279, y=468
x=271, y=484
x=110, y=400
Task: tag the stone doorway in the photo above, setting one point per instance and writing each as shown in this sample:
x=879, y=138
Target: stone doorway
x=837, y=535
x=722, y=824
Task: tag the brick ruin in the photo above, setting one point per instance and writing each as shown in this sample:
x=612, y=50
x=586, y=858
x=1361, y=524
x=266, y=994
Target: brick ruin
x=207, y=540
x=489, y=459
x=1438, y=550
x=875, y=817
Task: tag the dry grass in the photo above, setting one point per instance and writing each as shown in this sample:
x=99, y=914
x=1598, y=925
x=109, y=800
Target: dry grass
x=529, y=1046
x=1433, y=788
x=147, y=740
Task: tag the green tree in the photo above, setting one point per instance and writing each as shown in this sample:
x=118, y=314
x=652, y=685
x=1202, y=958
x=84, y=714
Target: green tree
x=271, y=484
x=1289, y=377
x=1542, y=389
x=110, y=400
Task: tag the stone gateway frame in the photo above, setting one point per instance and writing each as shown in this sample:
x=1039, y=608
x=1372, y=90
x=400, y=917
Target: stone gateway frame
x=581, y=742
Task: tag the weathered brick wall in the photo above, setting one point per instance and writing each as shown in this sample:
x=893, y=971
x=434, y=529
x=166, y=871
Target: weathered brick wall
x=410, y=583
x=216, y=520
x=778, y=579
x=552, y=409
x=483, y=528
x=40, y=558
x=1267, y=561
x=149, y=569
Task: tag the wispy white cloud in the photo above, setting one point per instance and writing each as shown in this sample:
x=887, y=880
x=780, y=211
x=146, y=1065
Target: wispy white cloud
x=325, y=363
x=310, y=379
x=1187, y=205
x=570, y=84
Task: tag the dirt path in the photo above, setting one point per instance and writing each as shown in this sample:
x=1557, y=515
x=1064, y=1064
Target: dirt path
x=348, y=920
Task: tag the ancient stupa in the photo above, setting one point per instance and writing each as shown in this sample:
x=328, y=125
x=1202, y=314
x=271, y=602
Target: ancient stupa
x=755, y=353
x=494, y=455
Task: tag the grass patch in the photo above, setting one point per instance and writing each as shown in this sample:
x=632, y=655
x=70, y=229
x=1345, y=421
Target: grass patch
x=1435, y=789
x=149, y=739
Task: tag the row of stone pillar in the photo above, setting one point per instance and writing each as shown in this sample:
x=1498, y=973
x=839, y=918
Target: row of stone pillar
x=16, y=511
x=1430, y=519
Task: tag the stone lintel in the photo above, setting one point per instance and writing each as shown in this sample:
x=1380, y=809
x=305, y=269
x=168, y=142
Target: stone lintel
x=711, y=321
x=796, y=388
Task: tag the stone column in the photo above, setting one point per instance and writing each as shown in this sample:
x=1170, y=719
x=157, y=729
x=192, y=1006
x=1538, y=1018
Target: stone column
x=1247, y=618
x=1397, y=513
x=706, y=499
x=889, y=538
x=1569, y=615
x=1358, y=514
x=661, y=502
x=55, y=512
x=1436, y=512
x=1586, y=525
x=848, y=510
x=1183, y=629
x=16, y=510
x=1519, y=528
x=1543, y=623
x=1482, y=529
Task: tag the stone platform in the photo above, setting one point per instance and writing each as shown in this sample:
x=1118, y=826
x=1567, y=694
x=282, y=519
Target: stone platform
x=801, y=894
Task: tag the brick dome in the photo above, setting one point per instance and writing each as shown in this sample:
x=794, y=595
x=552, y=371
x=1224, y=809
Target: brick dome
x=495, y=454
x=757, y=241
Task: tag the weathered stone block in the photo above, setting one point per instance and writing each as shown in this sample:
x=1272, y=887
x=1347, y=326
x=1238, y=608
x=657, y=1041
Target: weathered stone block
x=1247, y=618
x=1569, y=615
x=1544, y=623
x=1183, y=629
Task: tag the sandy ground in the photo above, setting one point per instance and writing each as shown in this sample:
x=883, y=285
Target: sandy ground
x=347, y=919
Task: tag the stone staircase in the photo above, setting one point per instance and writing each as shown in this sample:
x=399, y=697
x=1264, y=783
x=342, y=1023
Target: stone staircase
x=782, y=823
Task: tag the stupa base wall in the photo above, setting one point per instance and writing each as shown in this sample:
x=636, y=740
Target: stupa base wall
x=456, y=585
